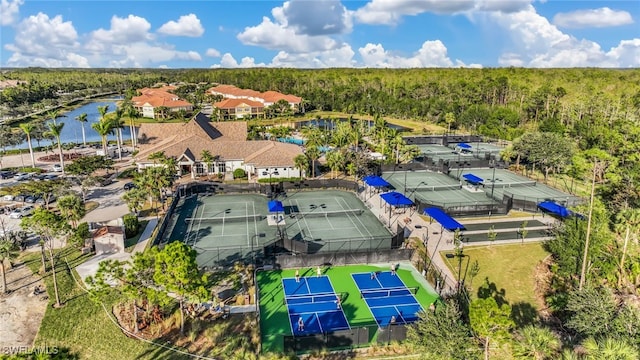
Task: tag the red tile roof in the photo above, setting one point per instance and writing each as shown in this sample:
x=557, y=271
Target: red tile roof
x=267, y=96
x=159, y=97
x=234, y=103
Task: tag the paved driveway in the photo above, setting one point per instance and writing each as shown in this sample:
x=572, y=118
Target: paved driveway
x=110, y=202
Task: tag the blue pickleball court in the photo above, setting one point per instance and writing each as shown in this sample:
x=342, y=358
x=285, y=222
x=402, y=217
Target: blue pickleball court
x=387, y=297
x=313, y=300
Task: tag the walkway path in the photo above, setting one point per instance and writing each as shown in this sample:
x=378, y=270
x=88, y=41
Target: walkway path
x=437, y=239
x=146, y=236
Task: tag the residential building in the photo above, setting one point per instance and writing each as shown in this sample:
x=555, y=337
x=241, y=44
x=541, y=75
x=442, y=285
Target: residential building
x=226, y=142
x=238, y=109
x=267, y=98
x=153, y=102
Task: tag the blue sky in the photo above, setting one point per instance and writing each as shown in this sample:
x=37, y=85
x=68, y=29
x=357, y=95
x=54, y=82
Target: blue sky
x=320, y=33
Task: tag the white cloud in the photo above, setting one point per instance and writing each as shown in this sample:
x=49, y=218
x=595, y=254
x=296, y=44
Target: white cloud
x=627, y=53
x=339, y=57
x=539, y=43
x=9, y=11
x=431, y=54
x=41, y=40
x=228, y=61
x=123, y=31
x=211, y=52
x=391, y=11
x=278, y=36
x=187, y=25
x=598, y=18
x=318, y=17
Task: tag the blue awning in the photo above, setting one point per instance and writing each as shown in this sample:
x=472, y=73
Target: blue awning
x=445, y=220
x=275, y=206
x=475, y=180
x=555, y=209
x=464, y=146
x=395, y=198
x=375, y=181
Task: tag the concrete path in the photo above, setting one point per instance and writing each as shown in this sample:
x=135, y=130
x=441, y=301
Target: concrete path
x=146, y=236
x=436, y=238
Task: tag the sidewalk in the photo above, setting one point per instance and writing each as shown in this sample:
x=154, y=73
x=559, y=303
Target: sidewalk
x=146, y=236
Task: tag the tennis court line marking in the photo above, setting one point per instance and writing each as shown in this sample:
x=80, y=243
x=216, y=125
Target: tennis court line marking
x=305, y=222
x=246, y=213
x=349, y=217
x=287, y=305
x=255, y=223
x=412, y=294
x=360, y=221
x=319, y=323
x=190, y=226
x=308, y=288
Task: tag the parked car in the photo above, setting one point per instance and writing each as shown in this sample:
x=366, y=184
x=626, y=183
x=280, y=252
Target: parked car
x=40, y=200
x=22, y=176
x=19, y=198
x=130, y=185
x=8, y=197
x=57, y=168
x=50, y=177
x=38, y=177
x=31, y=199
x=21, y=212
x=7, y=174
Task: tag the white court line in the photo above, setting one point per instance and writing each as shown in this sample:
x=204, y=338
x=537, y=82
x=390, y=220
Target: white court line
x=319, y=323
x=305, y=222
x=246, y=213
x=349, y=217
x=255, y=222
x=190, y=226
x=357, y=218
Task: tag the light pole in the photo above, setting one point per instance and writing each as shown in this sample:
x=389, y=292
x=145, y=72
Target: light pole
x=493, y=178
x=271, y=172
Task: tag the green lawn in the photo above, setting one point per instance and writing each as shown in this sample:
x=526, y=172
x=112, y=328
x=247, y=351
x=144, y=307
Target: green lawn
x=510, y=267
x=82, y=325
x=274, y=319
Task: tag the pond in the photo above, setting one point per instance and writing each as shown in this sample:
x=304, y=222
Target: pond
x=329, y=124
x=72, y=131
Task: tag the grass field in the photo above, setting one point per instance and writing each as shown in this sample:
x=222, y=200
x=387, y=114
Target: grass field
x=510, y=267
x=81, y=325
x=274, y=320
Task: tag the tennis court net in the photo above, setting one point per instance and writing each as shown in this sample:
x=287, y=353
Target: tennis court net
x=225, y=219
x=370, y=294
x=310, y=299
x=500, y=185
x=435, y=187
x=317, y=214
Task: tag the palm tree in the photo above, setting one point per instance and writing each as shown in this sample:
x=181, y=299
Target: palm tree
x=537, y=343
x=103, y=110
x=72, y=208
x=132, y=113
x=117, y=125
x=8, y=251
x=53, y=115
x=103, y=128
x=302, y=163
x=313, y=153
x=609, y=349
x=28, y=129
x=56, y=130
x=335, y=160
x=207, y=158
x=82, y=118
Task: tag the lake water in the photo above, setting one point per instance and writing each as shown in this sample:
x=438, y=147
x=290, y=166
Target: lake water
x=72, y=131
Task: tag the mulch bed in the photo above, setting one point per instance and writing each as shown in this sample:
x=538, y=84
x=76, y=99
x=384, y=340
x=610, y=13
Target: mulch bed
x=56, y=157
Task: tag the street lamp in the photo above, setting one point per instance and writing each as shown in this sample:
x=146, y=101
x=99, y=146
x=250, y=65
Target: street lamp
x=270, y=173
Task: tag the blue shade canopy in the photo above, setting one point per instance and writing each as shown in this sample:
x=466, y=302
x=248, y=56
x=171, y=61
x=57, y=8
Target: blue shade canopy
x=275, y=206
x=475, y=180
x=555, y=209
x=395, y=198
x=375, y=181
x=445, y=220
x=464, y=146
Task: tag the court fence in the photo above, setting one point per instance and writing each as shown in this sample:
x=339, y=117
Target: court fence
x=361, y=336
x=341, y=258
x=214, y=187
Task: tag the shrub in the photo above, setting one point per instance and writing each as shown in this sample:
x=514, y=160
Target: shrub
x=131, y=225
x=239, y=174
x=80, y=234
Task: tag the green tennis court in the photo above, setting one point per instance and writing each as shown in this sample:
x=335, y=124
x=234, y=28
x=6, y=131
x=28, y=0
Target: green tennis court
x=274, y=318
x=228, y=228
